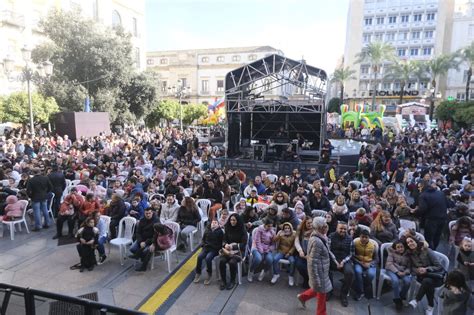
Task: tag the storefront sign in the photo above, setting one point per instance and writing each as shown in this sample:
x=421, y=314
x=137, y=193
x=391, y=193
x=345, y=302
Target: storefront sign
x=394, y=93
x=414, y=110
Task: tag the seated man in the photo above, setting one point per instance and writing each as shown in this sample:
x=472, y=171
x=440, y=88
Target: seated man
x=169, y=209
x=364, y=255
x=341, y=248
x=143, y=239
x=70, y=206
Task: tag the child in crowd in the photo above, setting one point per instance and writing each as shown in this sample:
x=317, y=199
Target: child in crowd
x=240, y=207
x=88, y=236
x=13, y=209
x=455, y=294
x=285, y=248
x=299, y=210
x=461, y=229
x=465, y=259
x=403, y=211
x=224, y=216
x=361, y=217
x=136, y=209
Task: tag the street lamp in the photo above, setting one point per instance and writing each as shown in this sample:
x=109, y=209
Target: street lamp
x=43, y=70
x=433, y=97
x=180, y=91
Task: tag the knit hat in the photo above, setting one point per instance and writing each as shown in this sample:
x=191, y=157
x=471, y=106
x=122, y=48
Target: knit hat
x=299, y=204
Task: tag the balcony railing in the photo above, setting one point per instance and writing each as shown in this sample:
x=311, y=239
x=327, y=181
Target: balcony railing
x=12, y=18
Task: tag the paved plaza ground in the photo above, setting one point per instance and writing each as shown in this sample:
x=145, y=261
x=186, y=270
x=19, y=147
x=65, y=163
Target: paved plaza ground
x=34, y=260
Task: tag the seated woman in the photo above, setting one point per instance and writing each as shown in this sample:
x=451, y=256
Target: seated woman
x=331, y=222
x=13, y=209
x=188, y=219
x=90, y=204
x=461, y=229
x=280, y=201
x=383, y=230
x=211, y=244
x=303, y=234
x=427, y=269
x=398, y=269
x=340, y=209
x=262, y=247
x=71, y=205
x=391, y=196
x=285, y=248
x=87, y=236
x=235, y=240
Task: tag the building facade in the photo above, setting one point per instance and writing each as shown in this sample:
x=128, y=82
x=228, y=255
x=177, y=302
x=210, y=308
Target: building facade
x=463, y=35
x=19, y=27
x=201, y=71
x=418, y=30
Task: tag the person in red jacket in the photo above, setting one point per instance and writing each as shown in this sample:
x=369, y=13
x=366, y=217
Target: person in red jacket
x=71, y=205
x=89, y=205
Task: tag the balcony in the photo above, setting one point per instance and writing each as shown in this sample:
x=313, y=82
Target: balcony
x=204, y=93
x=11, y=18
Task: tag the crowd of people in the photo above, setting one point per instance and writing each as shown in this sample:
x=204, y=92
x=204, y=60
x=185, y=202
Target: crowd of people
x=312, y=224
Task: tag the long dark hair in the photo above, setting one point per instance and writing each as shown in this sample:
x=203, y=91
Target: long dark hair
x=238, y=227
x=456, y=279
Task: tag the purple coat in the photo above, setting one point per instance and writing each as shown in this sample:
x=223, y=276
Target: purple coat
x=263, y=240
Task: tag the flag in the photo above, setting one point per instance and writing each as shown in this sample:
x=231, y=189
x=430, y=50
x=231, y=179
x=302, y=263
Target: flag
x=87, y=103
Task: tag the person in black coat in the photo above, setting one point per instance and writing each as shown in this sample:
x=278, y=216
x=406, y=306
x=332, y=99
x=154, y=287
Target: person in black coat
x=317, y=201
x=144, y=238
x=116, y=212
x=38, y=189
x=58, y=181
x=188, y=219
x=432, y=205
x=211, y=244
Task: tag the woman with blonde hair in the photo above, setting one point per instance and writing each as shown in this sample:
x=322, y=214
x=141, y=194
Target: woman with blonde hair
x=340, y=210
x=383, y=230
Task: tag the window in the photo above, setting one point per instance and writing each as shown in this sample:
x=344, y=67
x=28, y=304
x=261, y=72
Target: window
x=417, y=17
x=164, y=86
x=427, y=51
x=183, y=82
x=378, y=37
x=404, y=18
x=220, y=85
x=367, y=38
x=460, y=96
x=430, y=17
x=403, y=36
x=220, y=58
x=205, y=59
x=401, y=52
x=364, y=69
x=252, y=57
x=150, y=62
x=424, y=85
x=471, y=30
x=428, y=34
x=396, y=86
x=205, y=86
x=415, y=35
x=236, y=58
x=380, y=20
x=163, y=61
x=414, y=52
x=116, y=19
x=137, y=57
x=386, y=86
x=368, y=21
x=390, y=37
x=392, y=19
x=135, y=27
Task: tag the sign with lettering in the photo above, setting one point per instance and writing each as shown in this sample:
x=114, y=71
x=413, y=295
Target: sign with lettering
x=414, y=110
x=394, y=93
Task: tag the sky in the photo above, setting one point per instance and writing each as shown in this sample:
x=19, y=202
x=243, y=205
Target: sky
x=312, y=29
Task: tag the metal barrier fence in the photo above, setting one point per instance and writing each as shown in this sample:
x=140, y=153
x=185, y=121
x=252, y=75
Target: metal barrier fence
x=253, y=167
x=90, y=307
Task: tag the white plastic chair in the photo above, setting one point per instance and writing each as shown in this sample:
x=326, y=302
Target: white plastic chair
x=107, y=220
x=318, y=213
x=357, y=183
x=176, y=229
x=161, y=198
x=216, y=261
x=363, y=227
x=260, y=206
x=407, y=224
x=383, y=273
x=419, y=236
x=352, y=215
x=50, y=207
x=272, y=177
x=124, y=237
x=191, y=237
x=11, y=224
x=205, y=206
x=75, y=182
x=453, y=247
x=68, y=183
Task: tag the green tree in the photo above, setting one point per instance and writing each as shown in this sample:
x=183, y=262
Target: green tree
x=139, y=93
x=16, y=108
x=464, y=114
x=402, y=71
x=445, y=111
x=166, y=109
x=375, y=54
x=334, y=105
x=341, y=76
x=437, y=67
x=467, y=56
x=193, y=112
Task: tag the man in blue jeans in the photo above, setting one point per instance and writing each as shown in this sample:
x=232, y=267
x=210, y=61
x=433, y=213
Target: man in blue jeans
x=144, y=239
x=38, y=188
x=103, y=232
x=364, y=255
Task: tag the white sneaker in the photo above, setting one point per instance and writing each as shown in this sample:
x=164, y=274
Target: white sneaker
x=413, y=303
x=275, y=278
x=250, y=276
x=291, y=281
x=261, y=275
x=429, y=311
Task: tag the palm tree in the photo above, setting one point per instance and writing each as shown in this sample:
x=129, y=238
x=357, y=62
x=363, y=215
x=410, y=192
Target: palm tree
x=401, y=70
x=341, y=76
x=467, y=55
x=419, y=72
x=437, y=67
x=375, y=54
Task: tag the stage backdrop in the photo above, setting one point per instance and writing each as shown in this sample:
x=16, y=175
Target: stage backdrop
x=82, y=124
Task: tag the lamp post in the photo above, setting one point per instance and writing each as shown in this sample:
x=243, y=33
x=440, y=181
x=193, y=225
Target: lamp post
x=180, y=91
x=433, y=97
x=43, y=70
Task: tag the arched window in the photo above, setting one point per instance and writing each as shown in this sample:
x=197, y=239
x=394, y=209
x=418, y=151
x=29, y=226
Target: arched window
x=116, y=19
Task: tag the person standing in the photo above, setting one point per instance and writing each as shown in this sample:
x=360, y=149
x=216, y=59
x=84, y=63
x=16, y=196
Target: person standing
x=58, y=181
x=432, y=205
x=38, y=189
x=318, y=267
